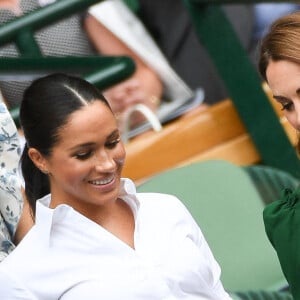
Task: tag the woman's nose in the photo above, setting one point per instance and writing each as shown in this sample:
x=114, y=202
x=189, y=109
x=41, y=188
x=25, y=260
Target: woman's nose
x=105, y=162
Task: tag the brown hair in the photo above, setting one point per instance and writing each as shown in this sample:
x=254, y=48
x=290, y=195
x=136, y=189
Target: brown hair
x=281, y=42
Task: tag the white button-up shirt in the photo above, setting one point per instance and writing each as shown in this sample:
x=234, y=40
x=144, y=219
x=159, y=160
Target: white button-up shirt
x=67, y=256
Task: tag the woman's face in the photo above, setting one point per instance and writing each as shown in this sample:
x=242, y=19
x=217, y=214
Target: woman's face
x=283, y=78
x=85, y=166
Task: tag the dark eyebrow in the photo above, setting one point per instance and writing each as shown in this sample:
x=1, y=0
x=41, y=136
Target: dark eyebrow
x=81, y=146
x=113, y=135
x=280, y=98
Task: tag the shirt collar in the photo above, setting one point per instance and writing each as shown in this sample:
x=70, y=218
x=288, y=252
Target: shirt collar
x=128, y=194
x=47, y=217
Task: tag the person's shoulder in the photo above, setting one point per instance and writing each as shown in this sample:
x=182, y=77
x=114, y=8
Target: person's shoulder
x=10, y=269
x=18, y=269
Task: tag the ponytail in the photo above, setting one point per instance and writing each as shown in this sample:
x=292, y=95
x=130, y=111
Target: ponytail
x=36, y=182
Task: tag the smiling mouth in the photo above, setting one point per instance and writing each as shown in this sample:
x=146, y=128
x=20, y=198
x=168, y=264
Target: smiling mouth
x=103, y=181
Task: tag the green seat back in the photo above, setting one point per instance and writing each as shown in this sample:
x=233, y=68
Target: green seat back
x=228, y=208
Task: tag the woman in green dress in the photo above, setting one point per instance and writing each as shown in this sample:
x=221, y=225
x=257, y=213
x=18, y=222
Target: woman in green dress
x=279, y=65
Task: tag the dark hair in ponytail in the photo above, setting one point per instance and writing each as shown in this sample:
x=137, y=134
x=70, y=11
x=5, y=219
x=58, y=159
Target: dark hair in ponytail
x=46, y=107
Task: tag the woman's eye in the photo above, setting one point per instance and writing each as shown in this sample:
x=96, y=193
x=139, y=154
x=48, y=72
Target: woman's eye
x=287, y=106
x=113, y=144
x=83, y=155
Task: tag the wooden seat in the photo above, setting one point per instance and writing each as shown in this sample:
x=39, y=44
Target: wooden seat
x=215, y=133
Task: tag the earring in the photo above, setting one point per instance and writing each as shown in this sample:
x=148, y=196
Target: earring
x=45, y=172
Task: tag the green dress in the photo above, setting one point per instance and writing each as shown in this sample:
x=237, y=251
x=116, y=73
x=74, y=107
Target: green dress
x=282, y=224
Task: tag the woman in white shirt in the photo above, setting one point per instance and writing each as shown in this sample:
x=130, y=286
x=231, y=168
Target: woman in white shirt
x=94, y=237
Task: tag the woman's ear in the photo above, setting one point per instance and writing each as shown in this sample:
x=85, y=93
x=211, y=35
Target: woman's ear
x=38, y=159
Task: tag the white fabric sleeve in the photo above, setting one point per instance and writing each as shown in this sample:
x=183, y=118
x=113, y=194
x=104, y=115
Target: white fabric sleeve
x=210, y=267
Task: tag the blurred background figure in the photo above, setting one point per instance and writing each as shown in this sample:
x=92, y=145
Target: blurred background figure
x=169, y=24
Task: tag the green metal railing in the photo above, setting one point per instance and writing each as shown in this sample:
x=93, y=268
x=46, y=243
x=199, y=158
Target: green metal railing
x=102, y=71
x=243, y=83
x=39, y=18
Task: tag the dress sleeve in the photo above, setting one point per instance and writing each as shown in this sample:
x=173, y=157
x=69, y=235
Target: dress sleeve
x=10, y=183
x=282, y=224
